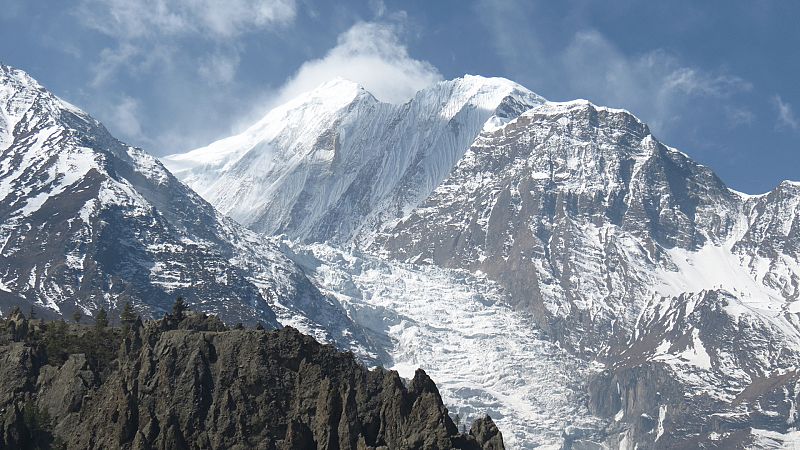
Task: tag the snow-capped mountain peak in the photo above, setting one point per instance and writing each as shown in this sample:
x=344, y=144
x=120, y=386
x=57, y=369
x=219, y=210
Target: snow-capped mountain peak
x=330, y=97
x=18, y=93
x=551, y=263
x=302, y=118
x=580, y=103
x=335, y=163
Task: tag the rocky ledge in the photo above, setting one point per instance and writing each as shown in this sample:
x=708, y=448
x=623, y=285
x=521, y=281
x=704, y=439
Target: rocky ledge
x=194, y=384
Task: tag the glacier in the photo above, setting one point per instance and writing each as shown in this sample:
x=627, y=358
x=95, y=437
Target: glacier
x=458, y=327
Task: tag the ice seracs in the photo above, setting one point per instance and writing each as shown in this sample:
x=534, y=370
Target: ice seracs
x=459, y=328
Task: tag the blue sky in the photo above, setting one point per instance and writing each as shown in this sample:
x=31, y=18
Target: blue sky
x=716, y=79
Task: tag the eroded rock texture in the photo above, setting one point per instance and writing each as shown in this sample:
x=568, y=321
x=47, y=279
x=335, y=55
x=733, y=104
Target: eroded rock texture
x=195, y=385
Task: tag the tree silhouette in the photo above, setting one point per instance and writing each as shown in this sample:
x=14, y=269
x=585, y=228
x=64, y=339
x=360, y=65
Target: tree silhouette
x=179, y=309
x=127, y=317
x=101, y=319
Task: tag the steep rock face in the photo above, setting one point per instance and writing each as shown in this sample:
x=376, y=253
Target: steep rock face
x=771, y=245
x=572, y=208
x=335, y=164
x=627, y=251
x=89, y=222
x=702, y=368
x=177, y=388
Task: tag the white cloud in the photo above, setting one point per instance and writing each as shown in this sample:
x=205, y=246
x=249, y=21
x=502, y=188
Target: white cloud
x=786, y=117
x=145, y=31
x=657, y=85
x=372, y=55
x=739, y=116
x=219, y=67
x=124, y=118
x=133, y=19
x=111, y=60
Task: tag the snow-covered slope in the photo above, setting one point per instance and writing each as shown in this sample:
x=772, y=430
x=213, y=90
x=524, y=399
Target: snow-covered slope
x=335, y=163
x=89, y=222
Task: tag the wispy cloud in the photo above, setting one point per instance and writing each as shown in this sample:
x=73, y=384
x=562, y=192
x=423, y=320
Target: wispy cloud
x=110, y=60
x=124, y=113
x=786, y=116
x=372, y=54
x=737, y=115
x=161, y=42
x=219, y=67
x=136, y=19
x=178, y=48
x=143, y=30
x=656, y=85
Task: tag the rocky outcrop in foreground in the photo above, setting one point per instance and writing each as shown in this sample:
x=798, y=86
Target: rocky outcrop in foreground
x=194, y=384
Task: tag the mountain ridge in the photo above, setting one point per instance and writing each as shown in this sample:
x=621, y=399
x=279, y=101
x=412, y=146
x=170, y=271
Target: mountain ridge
x=189, y=382
x=361, y=160
x=606, y=236
x=589, y=223
x=90, y=222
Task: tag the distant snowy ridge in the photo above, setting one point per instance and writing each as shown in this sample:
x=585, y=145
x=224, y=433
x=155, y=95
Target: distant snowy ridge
x=87, y=222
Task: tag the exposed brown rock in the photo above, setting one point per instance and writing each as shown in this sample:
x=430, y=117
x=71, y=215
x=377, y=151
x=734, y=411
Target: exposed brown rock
x=175, y=385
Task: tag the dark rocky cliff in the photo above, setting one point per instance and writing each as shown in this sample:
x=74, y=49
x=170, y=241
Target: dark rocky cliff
x=193, y=384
